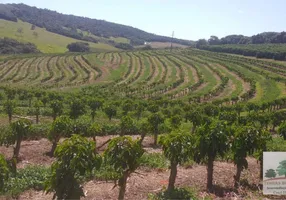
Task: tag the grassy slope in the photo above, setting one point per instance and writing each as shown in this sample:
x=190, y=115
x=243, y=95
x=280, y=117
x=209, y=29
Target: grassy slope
x=102, y=39
x=163, y=45
x=46, y=42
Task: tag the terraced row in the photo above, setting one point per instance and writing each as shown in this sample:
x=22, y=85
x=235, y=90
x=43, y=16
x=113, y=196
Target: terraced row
x=50, y=71
x=189, y=75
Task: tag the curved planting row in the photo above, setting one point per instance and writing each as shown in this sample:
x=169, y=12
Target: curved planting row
x=51, y=61
x=95, y=68
x=197, y=76
x=21, y=76
x=128, y=72
x=7, y=69
x=219, y=88
x=188, y=75
x=248, y=94
x=11, y=73
x=267, y=83
x=152, y=69
x=59, y=66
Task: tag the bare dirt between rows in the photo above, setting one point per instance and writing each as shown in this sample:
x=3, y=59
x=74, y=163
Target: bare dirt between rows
x=145, y=181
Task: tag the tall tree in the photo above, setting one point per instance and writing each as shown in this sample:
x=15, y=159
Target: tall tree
x=60, y=127
x=75, y=157
x=155, y=119
x=4, y=171
x=245, y=142
x=93, y=130
x=212, y=140
x=178, y=148
x=126, y=125
x=94, y=104
x=37, y=109
x=110, y=110
x=57, y=108
x=9, y=107
x=282, y=130
x=214, y=40
x=19, y=129
x=77, y=108
x=123, y=154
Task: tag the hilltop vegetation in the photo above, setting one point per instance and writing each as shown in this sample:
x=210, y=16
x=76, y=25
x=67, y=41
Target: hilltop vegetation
x=270, y=51
x=10, y=46
x=46, y=42
x=269, y=45
x=69, y=25
x=261, y=38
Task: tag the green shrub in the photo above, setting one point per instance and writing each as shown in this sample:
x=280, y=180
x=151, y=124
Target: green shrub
x=105, y=173
x=154, y=160
x=39, y=131
x=177, y=193
x=276, y=144
x=4, y=171
x=27, y=178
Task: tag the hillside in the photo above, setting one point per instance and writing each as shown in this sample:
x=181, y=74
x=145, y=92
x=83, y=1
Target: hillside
x=46, y=42
x=69, y=25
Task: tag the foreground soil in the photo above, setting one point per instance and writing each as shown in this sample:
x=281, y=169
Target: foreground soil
x=146, y=181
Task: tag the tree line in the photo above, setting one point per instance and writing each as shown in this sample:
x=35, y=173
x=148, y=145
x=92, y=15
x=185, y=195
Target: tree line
x=261, y=38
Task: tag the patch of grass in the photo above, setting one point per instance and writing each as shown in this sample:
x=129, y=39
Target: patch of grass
x=30, y=177
x=154, y=160
x=277, y=144
x=177, y=193
x=106, y=172
x=120, y=40
x=46, y=42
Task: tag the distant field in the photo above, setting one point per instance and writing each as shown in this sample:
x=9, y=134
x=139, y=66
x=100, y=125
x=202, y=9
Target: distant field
x=46, y=42
x=162, y=45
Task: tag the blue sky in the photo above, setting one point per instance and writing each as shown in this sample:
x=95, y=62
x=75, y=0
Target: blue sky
x=190, y=19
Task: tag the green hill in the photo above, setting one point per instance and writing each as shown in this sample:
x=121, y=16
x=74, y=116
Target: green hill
x=69, y=25
x=46, y=42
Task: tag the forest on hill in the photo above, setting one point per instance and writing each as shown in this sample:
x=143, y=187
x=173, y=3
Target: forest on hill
x=69, y=25
x=269, y=45
x=261, y=38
